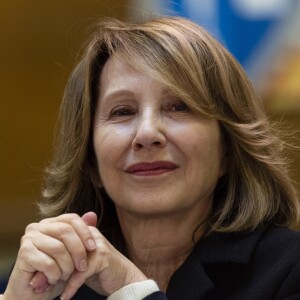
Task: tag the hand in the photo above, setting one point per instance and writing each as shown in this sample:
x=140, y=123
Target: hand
x=108, y=270
x=55, y=247
x=39, y=282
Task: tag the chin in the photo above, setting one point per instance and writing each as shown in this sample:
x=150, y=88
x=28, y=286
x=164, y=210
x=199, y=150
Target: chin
x=150, y=208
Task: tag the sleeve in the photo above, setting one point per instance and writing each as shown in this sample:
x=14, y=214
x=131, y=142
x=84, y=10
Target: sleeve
x=147, y=290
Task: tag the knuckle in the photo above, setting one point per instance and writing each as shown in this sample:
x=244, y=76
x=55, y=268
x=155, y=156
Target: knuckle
x=102, y=249
x=58, y=248
x=47, y=220
x=79, y=254
x=65, y=228
x=72, y=219
x=24, y=240
x=76, y=221
x=30, y=227
x=52, y=272
x=67, y=274
x=94, y=230
x=73, y=216
x=50, y=267
x=95, y=233
x=53, y=279
x=25, y=248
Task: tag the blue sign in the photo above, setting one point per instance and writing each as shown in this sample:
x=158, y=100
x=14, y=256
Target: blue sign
x=241, y=25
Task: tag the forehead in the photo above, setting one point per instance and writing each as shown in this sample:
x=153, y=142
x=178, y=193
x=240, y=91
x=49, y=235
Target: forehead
x=121, y=73
x=118, y=74
x=114, y=70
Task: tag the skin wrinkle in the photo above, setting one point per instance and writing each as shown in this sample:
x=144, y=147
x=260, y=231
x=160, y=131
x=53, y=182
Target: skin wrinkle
x=145, y=214
x=152, y=129
x=155, y=47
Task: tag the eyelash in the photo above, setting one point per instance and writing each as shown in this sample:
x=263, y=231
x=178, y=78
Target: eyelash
x=121, y=112
x=178, y=106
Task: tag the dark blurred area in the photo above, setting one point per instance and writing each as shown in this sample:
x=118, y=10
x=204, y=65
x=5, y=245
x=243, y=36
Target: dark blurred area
x=40, y=41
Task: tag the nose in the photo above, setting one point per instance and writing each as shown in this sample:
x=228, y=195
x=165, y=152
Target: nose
x=149, y=133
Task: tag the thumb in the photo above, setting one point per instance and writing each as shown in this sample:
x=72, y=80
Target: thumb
x=90, y=218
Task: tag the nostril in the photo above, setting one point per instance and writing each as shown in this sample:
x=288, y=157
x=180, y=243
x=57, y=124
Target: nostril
x=148, y=139
x=137, y=146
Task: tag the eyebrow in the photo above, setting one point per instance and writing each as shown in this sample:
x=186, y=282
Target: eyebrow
x=116, y=93
x=125, y=92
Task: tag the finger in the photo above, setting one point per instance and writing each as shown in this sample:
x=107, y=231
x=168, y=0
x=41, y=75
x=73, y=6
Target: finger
x=30, y=260
x=77, y=279
x=64, y=247
x=63, y=237
x=43, y=288
x=75, y=282
x=90, y=218
x=79, y=226
x=38, y=280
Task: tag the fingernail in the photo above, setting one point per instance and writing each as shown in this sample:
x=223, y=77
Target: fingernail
x=83, y=265
x=62, y=297
x=39, y=290
x=32, y=282
x=91, y=243
x=66, y=278
x=48, y=288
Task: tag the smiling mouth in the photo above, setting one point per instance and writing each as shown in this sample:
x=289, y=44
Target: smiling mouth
x=151, y=169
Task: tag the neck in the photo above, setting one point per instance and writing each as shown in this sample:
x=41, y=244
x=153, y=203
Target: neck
x=159, y=245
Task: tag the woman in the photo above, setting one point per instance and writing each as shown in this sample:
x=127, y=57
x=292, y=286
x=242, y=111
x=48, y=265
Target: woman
x=180, y=182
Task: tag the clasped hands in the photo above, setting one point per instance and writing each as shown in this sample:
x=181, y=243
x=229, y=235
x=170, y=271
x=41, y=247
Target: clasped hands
x=58, y=255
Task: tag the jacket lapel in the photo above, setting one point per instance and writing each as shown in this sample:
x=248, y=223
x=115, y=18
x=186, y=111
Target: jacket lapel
x=191, y=281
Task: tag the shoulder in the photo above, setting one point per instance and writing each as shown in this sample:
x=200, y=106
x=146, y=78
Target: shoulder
x=276, y=260
x=282, y=232
x=268, y=241
x=265, y=262
x=278, y=242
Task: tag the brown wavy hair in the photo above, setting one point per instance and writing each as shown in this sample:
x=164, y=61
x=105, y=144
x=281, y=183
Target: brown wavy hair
x=256, y=187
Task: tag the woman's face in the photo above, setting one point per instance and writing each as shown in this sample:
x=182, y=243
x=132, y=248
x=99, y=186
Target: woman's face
x=155, y=157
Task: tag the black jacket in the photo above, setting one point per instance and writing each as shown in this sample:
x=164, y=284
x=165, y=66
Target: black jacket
x=261, y=265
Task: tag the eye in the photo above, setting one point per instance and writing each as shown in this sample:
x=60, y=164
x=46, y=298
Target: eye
x=177, y=106
x=122, y=112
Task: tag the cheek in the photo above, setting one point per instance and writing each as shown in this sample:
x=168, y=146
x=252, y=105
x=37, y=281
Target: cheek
x=110, y=143
x=106, y=153
x=204, y=152
x=107, y=137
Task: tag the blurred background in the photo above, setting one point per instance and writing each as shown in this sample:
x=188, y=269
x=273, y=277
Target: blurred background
x=40, y=41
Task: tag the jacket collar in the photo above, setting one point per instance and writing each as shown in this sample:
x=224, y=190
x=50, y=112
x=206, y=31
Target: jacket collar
x=234, y=248
x=191, y=281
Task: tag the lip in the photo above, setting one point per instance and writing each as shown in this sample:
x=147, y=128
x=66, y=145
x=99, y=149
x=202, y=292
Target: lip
x=150, y=169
